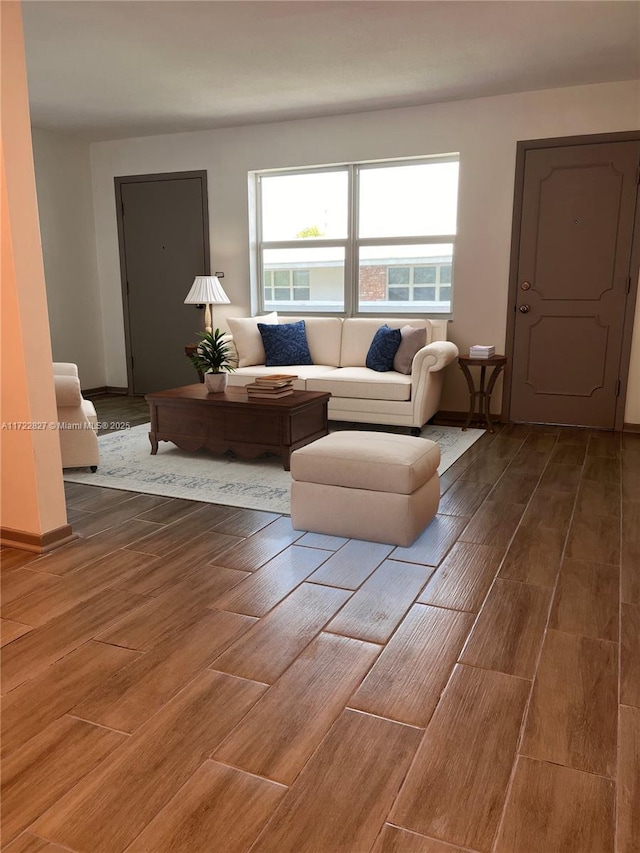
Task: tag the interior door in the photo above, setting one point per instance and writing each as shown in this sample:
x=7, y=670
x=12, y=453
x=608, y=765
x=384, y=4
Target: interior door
x=573, y=282
x=164, y=244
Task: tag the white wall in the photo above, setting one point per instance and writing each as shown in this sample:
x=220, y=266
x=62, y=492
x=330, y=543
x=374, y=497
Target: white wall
x=65, y=206
x=484, y=131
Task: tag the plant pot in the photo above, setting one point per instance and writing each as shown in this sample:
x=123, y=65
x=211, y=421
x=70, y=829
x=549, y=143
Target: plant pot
x=215, y=382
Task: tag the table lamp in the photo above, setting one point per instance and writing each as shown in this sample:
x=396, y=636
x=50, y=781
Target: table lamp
x=206, y=290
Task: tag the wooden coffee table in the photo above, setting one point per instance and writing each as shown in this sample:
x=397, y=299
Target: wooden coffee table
x=192, y=418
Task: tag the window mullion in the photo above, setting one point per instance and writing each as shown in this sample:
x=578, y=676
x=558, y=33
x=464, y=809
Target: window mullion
x=406, y=241
x=302, y=244
x=259, y=228
x=351, y=254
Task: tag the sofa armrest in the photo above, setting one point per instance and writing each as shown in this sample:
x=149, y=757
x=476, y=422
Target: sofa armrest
x=68, y=392
x=427, y=378
x=65, y=368
x=433, y=357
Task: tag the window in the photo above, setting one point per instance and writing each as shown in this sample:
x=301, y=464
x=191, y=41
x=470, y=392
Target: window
x=286, y=285
x=426, y=283
x=357, y=239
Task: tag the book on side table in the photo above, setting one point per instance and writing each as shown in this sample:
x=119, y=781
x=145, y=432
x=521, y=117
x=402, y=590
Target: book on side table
x=481, y=351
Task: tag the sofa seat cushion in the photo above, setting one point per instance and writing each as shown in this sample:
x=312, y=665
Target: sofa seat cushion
x=244, y=375
x=362, y=383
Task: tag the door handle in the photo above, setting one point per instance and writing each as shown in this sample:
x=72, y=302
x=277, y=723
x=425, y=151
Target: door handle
x=524, y=309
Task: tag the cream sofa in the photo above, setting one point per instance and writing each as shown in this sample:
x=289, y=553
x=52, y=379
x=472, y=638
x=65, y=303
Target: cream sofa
x=77, y=419
x=339, y=350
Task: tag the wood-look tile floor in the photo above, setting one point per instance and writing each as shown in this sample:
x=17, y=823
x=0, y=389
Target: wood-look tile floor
x=189, y=677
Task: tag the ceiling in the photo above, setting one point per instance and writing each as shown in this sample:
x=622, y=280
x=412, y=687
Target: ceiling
x=107, y=70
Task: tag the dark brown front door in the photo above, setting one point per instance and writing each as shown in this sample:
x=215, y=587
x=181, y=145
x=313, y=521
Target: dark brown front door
x=573, y=282
x=164, y=244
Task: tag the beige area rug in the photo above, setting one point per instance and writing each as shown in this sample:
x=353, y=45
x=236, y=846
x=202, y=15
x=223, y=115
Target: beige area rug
x=126, y=463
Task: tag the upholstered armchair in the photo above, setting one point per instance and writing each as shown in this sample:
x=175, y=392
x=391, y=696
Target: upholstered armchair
x=77, y=420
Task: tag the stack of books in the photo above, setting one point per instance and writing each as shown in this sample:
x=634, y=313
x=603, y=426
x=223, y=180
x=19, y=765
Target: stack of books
x=271, y=387
x=479, y=351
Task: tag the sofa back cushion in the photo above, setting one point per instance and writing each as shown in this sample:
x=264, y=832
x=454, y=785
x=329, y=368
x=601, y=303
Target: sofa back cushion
x=324, y=336
x=358, y=332
x=332, y=341
x=246, y=337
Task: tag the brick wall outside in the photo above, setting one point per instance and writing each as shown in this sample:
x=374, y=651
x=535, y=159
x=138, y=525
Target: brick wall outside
x=373, y=283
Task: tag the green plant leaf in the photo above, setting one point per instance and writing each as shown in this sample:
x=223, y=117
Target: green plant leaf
x=213, y=354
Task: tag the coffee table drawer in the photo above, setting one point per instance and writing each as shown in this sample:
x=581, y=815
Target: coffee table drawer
x=308, y=422
x=174, y=419
x=249, y=427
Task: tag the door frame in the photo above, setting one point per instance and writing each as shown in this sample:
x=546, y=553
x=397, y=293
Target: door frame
x=522, y=148
x=137, y=179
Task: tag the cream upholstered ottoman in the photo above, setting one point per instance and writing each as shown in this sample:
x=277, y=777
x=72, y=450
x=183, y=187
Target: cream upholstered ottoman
x=366, y=485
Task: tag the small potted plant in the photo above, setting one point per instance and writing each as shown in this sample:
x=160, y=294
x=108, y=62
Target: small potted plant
x=212, y=357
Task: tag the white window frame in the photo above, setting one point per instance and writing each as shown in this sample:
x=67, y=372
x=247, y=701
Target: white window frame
x=411, y=284
x=351, y=244
x=291, y=271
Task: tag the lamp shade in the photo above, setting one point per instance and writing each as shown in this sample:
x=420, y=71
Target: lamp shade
x=206, y=290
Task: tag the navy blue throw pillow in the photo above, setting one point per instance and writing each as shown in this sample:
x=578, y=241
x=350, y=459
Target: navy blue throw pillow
x=383, y=349
x=285, y=344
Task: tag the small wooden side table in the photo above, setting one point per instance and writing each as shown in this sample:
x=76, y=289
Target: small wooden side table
x=483, y=393
x=189, y=350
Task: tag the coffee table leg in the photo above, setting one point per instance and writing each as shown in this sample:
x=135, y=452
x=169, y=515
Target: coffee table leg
x=154, y=443
x=286, y=459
